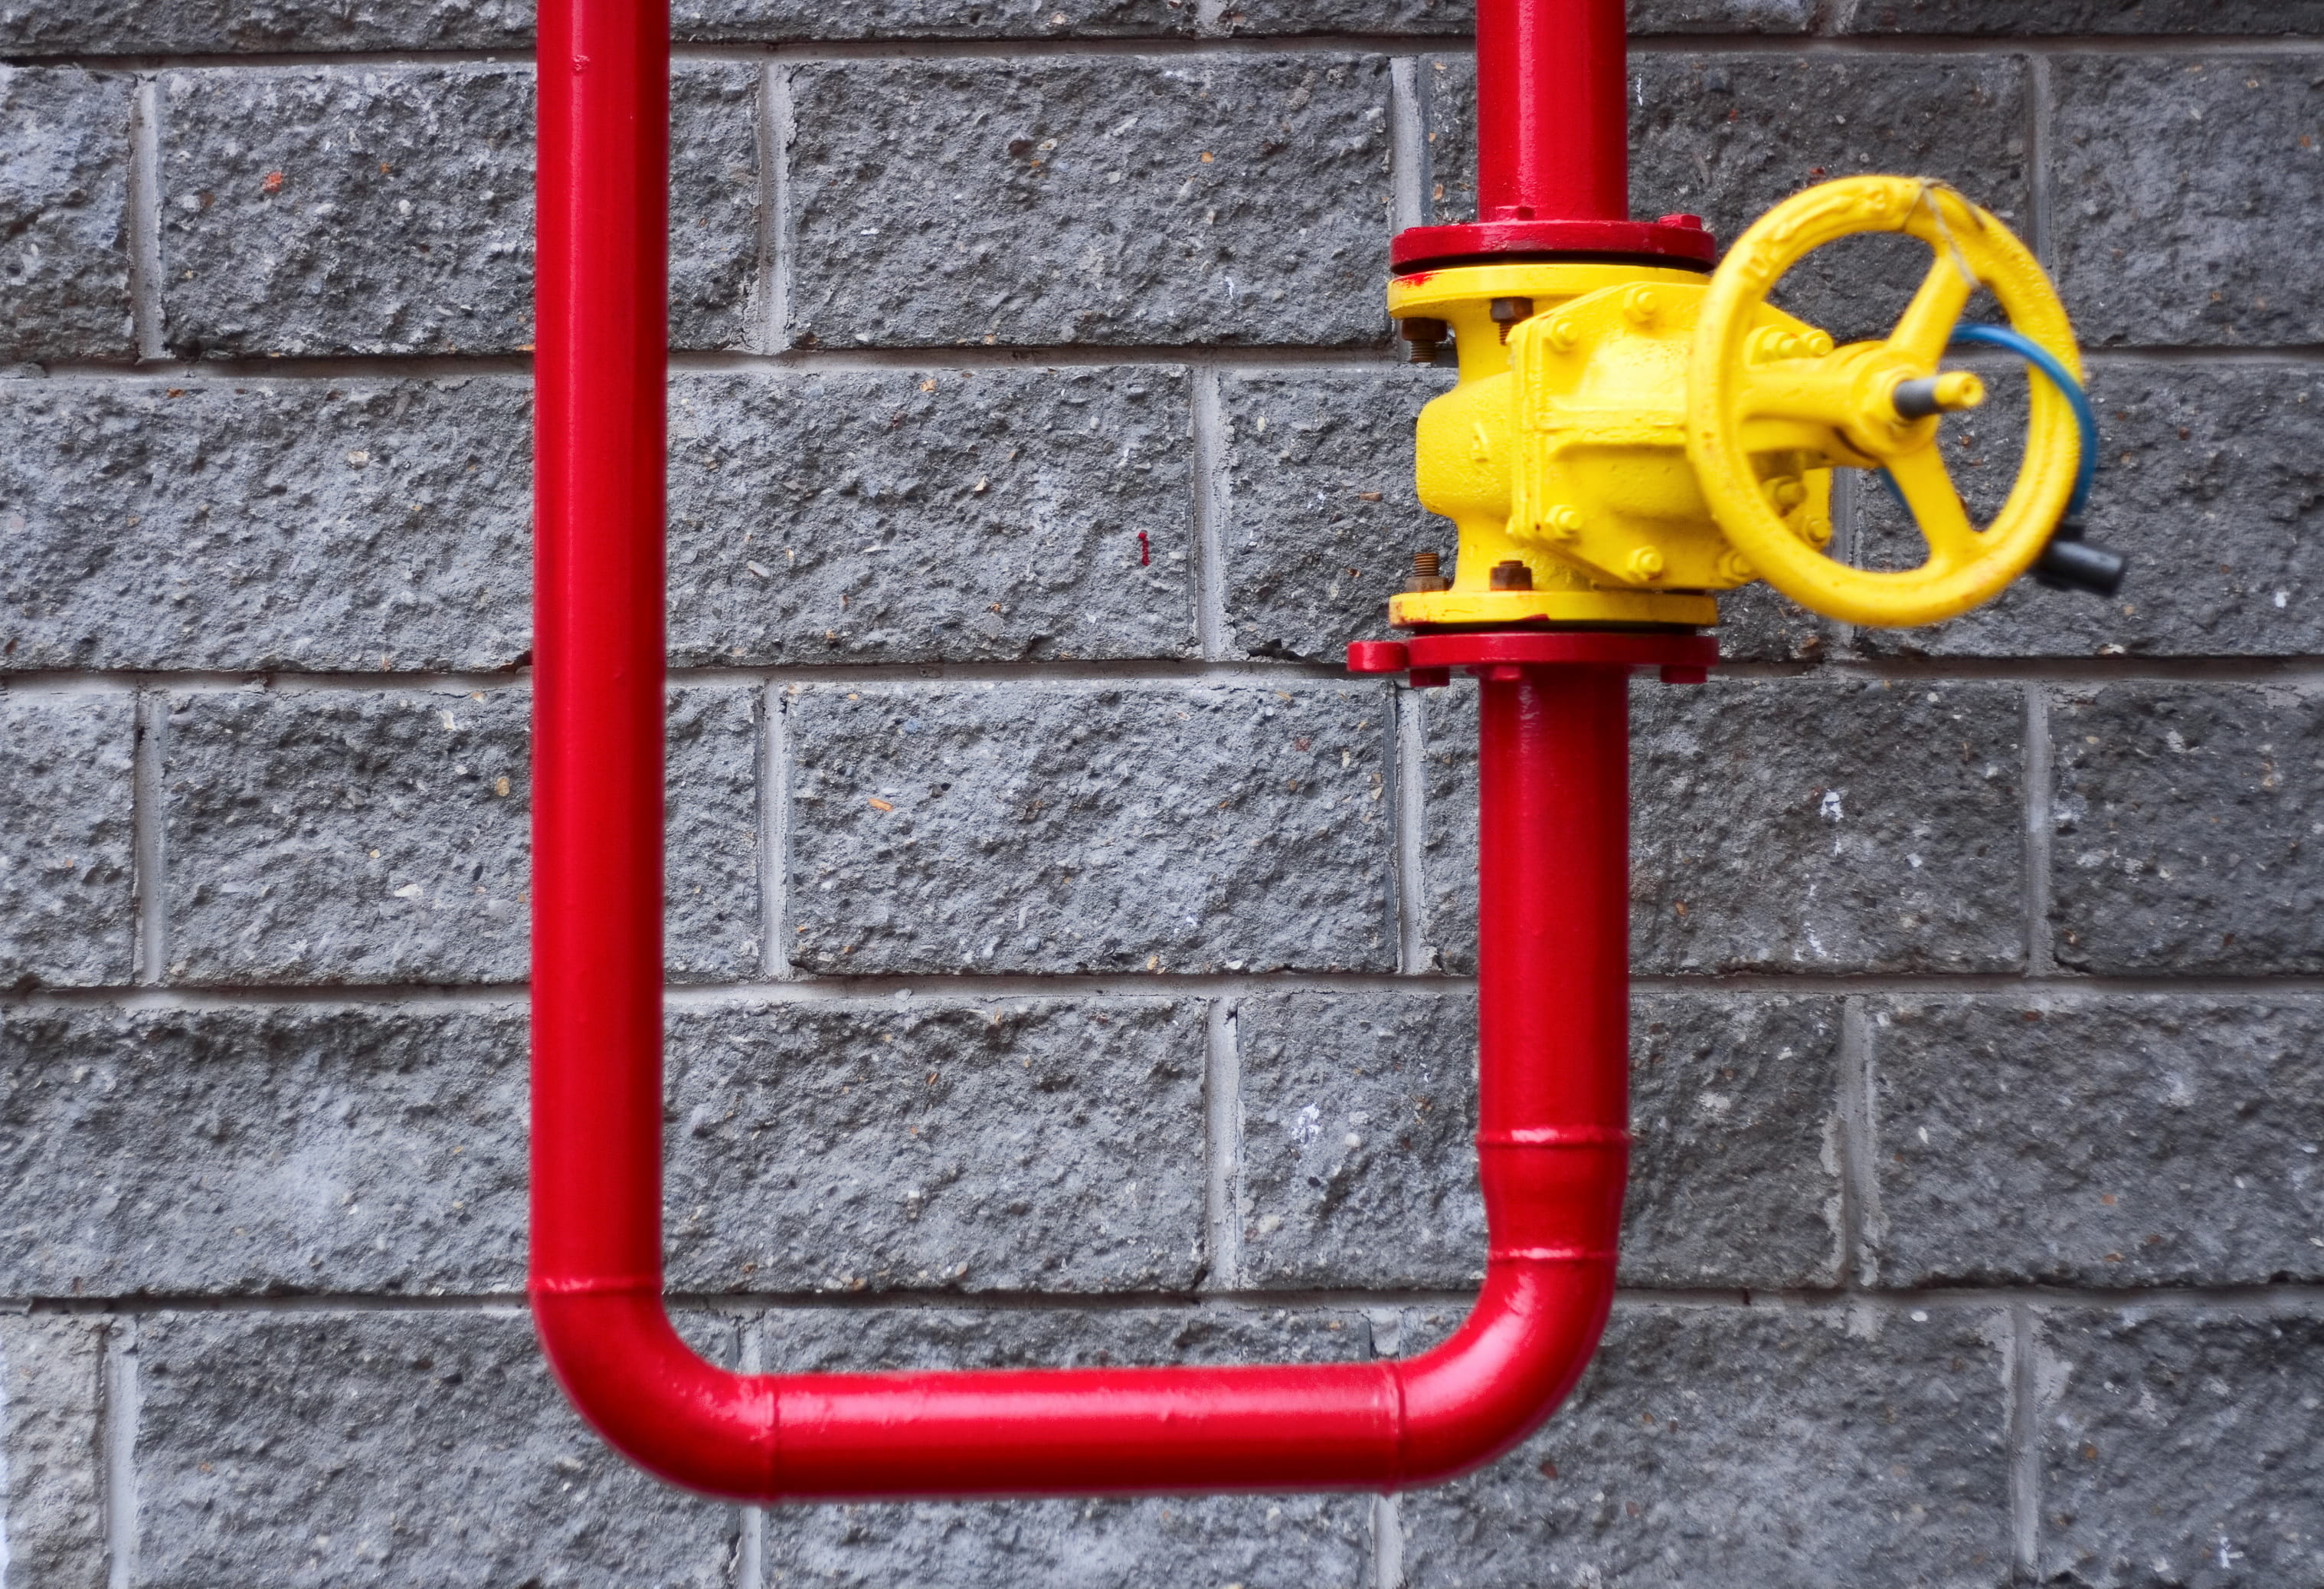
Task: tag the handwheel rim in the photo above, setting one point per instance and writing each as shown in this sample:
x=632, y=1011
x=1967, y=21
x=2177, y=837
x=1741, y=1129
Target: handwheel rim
x=1974, y=241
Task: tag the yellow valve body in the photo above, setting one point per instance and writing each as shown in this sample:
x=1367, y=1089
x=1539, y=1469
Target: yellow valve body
x=1636, y=467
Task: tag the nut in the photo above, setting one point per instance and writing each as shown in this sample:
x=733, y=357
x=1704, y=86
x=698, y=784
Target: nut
x=1646, y=563
x=1511, y=575
x=1564, y=523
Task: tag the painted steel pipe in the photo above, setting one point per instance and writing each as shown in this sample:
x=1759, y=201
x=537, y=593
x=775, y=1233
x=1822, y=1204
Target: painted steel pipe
x=1553, y=1140
x=1553, y=135
x=1553, y=148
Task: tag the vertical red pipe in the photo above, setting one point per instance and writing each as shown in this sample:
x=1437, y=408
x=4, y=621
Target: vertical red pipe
x=598, y=634
x=1552, y=134
x=1554, y=849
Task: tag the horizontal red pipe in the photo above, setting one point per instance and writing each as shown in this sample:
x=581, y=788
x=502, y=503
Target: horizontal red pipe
x=1553, y=1115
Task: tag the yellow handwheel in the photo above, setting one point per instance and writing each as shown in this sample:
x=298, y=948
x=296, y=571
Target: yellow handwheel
x=1742, y=404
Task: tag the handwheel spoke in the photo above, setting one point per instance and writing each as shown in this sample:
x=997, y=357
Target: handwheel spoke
x=1928, y=321
x=1815, y=392
x=1927, y=490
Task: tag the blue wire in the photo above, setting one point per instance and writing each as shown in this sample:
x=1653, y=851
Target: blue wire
x=2086, y=470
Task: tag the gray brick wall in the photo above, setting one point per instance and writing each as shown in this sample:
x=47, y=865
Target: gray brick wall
x=1067, y=964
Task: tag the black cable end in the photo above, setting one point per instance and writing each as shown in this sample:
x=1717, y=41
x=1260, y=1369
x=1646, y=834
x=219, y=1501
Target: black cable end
x=2070, y=563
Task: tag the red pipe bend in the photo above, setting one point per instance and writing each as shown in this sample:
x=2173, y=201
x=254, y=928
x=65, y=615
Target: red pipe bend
x=1552, y=985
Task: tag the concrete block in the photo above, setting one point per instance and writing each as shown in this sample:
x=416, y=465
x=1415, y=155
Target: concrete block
x=370, y=525
x=222, y=27
x=1818, y=1449
x=388, y=209
x=1113, y=199
x=2147, y=1141
x=1320, y=521
x=1040, y=827
x=68, y=882
x=380, y=837
x=1786, y=825
x=1459, y=17
x=918, y=515
x=2217, y=458
x=331, y=1149
x=2082, y=16
x=214, y=27
x=2171, y=177
x=1727, y=136
x=1359, y=1168
x=2183, y=817
x=311, y=1450
x=2219, y=450
x=2180, y=1447
x=64, y=213
x=1018, y=1146
x=778, y=20
x=1262, y=1542
x=52, y=1439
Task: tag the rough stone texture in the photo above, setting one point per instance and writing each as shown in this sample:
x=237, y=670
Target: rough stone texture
x=1785, y=825
x=1105, y=200
x=1726, y=1446
x=1359, y=1111
x=1261, y=1542
x=1727, y=136
x=2159, y=1141
x=1458, y=17
x=301, y=1149
x=51, y=1424
x=370, y=525
x=1013, y=1146
x=388, y=209
x=897, y=515
x=64, y=214
x=1060, y=828
x=2184, y=817
x=380, y=837
x=121, y=27
x=2082, y=16
x=312, y=1451
x=1320, y=521
x=68, y=888
x=2172, y=176
x=2218, y=459
x=126, y=27
x=2180, y=1448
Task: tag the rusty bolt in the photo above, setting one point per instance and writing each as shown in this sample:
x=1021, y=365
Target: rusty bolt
x=1512, y=575
x=1426, y=574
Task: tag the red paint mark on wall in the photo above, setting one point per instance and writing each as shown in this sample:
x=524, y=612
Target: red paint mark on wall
x=1145, y=552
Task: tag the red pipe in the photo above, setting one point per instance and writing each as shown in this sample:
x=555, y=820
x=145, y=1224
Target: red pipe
x=1553, y=136
x=1552, y=983
x=1553, y=148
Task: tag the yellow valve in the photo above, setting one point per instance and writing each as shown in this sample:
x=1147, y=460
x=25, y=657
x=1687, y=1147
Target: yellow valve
x=1627, y=440
x=1876, y=404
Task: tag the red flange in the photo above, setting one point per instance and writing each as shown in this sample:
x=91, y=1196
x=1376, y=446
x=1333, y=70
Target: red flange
x=1679, y=241
x=1682, y=659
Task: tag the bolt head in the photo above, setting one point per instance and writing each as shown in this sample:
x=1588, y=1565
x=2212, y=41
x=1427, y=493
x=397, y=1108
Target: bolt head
x=1562, y=336
x=1647, y=563
x=1565, y=523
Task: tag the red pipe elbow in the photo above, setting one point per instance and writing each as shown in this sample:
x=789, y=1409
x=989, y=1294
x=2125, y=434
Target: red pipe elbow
x=1551, y=985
